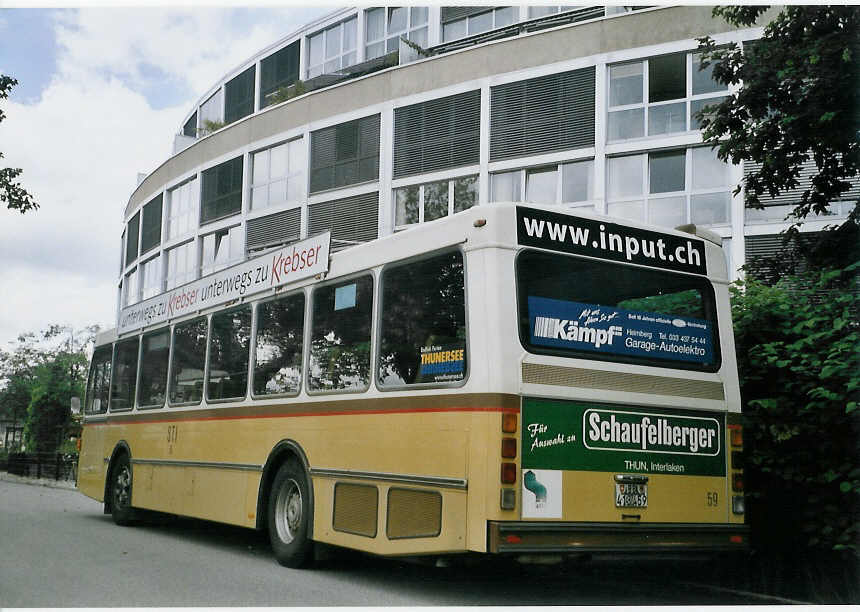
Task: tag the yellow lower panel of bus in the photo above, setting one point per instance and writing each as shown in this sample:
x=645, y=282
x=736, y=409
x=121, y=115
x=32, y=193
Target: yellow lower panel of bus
x=389, y=519
x=591, y=497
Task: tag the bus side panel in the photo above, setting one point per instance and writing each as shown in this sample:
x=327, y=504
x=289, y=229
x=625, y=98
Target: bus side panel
x=91, y=463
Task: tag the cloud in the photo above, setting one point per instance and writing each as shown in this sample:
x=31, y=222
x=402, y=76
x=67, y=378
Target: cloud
x=99, y=122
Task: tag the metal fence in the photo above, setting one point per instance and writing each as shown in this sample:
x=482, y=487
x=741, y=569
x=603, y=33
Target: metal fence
x=56, y=466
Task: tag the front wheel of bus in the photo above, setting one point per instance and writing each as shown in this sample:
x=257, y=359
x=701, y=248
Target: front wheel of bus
x=289, y=516
x=120, y=491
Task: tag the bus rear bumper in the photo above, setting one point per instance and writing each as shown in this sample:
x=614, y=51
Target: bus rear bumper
x=557, y=537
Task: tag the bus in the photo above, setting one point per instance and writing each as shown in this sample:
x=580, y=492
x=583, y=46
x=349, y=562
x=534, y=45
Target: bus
x=515, y=380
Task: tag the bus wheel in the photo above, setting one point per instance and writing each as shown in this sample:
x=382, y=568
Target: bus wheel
x=289, y=516
x=120, y=492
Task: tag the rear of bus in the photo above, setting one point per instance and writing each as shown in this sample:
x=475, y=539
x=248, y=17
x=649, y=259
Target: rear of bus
x=619, y=340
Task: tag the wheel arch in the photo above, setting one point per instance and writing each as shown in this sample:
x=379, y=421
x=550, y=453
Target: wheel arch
x=282, y=452
x=121, y=448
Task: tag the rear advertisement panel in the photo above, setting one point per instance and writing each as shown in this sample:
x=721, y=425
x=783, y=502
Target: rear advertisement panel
x=570, y=435
x=590, y=327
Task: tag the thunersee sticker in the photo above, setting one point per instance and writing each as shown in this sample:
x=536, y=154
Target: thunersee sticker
x=602, y=329
x=569, y=234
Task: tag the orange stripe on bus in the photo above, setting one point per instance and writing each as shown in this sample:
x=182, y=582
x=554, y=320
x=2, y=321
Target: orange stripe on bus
x=310, y=414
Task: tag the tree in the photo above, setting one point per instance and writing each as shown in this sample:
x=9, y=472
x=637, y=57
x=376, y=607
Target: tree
x=799, y=89
x=49, y=412
x=11, y=191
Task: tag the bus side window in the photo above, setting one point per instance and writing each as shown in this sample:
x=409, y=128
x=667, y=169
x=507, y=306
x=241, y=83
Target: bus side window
x=97, y=387
x=124, y=375
x=423, y=322
x=189, y=360
x=153, y=369
x=340, y=336
x=229, y=351
x=280, y=339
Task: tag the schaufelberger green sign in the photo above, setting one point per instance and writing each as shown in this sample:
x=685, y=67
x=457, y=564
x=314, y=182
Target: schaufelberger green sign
x=569, y=435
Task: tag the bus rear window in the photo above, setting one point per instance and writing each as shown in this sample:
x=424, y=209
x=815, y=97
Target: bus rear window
x=601, y=310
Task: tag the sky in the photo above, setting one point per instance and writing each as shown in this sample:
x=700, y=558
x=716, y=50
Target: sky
x=101, y=93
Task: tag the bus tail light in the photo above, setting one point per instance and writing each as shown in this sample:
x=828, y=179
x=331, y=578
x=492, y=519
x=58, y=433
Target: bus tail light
x=738, y=504
x=509, y=422
x=737, y=482
x=509, y=499
x=737, y=434
x=509, y=473
x=509, y=448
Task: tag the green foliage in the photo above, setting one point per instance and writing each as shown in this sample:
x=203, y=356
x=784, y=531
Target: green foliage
x=39, y=378
x=799, y=90
x=210, y=126
x=48, y=415
x=798, y=346
x=11, y=193
x=282, y=94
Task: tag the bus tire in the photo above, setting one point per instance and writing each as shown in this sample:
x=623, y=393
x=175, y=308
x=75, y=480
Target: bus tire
x=289, y=512
x=120, y=491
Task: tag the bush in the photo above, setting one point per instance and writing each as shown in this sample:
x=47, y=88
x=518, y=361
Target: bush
x=797, y=346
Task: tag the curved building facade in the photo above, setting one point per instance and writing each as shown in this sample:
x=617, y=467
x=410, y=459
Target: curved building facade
x=371, y=120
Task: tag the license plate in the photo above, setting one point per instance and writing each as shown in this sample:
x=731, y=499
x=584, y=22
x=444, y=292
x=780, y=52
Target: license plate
x=629, y=495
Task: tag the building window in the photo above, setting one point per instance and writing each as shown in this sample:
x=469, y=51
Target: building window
x=182, y=205
x=430, y=201
x=190, y=127
x=660, y=95
x=543, y=11
x=130, y=289
x=479, y=22
x=222, y=249
x=222, y=191
x=150, y=233
x=545, y=114
x=211, y=117
x=278, y=71
x=239, y=96
x=385, y=26
x=132, y=235
x=181, y=265
x=571, y=183
x=150, y=272
x=278, y=175
x=332, y=49
x=345, y=154
x=437, y=134
x=669, y=188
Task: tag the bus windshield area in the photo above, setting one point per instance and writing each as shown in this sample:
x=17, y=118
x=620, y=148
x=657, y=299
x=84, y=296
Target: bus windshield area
x=592, y=309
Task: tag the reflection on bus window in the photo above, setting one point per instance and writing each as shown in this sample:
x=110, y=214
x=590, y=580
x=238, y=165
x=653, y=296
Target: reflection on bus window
x=98, y=385
x=153, y=369
x=124, y=375
x=229, y=347
x=423, y=337
x=604, y=310
x=278, y=356
x=189, y=357
x=340, y=340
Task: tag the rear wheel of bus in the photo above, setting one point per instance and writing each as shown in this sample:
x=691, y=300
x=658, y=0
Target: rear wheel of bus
x=120, y=492
x=289, y=516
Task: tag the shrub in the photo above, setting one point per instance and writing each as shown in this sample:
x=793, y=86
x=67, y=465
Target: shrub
x=797, y=346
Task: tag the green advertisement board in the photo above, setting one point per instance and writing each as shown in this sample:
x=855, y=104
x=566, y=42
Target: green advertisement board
x=571, y=435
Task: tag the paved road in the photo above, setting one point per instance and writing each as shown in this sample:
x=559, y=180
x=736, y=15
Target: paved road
x=58, y=549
